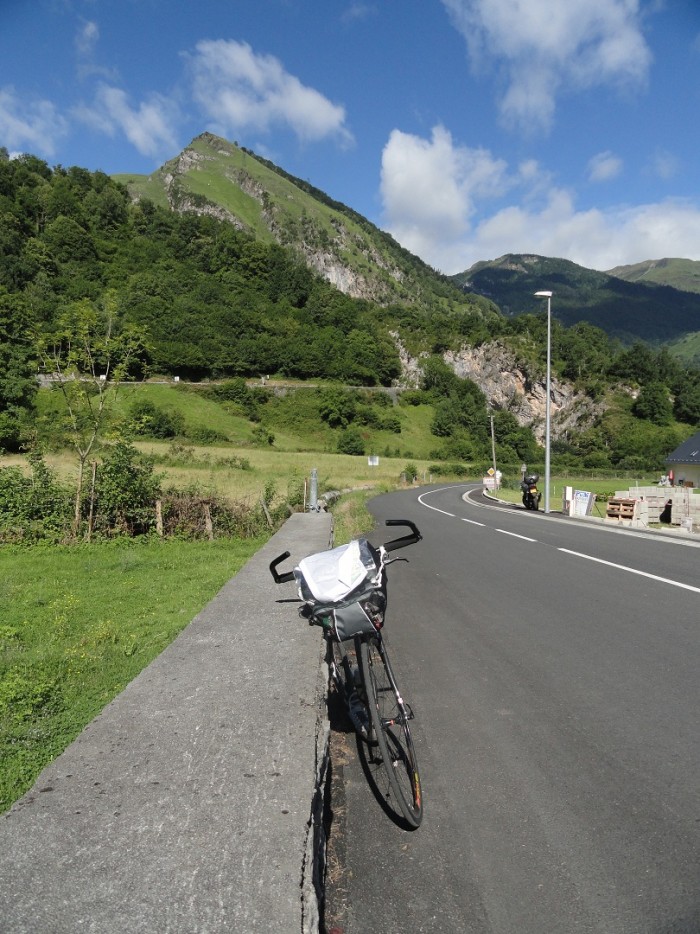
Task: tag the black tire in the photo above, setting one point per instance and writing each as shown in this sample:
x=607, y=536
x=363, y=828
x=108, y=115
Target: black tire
x=390, y=716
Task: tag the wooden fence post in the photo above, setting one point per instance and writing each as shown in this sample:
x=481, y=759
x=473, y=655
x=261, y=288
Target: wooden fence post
x=208, y=523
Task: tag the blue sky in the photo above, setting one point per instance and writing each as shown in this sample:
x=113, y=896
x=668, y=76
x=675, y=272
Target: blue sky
x=466, y=128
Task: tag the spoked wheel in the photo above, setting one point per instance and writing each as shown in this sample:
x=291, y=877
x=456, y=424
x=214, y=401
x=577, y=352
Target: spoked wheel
x=390, y=716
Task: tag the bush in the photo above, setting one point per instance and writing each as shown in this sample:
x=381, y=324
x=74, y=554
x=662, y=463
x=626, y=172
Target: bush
x=186, y=514
x=204, y=435
x=247, y=400
x=263, y=436
x=10, y=431
x=596, y=459
x=391, y=422
x=126, y=493
x=415, y=397
x=337, y=407
x=146, y=419
x=33, y=507
x=351, y=442
x=450, y=470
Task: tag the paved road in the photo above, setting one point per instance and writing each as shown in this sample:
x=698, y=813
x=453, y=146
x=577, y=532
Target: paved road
x=553, y=668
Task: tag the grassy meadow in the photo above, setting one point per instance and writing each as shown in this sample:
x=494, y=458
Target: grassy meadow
x=79, y=622
x=237, y=464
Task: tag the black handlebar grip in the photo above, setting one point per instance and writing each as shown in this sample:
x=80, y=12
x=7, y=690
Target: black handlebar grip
x=285, y=575
x=405, y=540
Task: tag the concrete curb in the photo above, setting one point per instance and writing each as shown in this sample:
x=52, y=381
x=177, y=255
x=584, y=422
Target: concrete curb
x=194, y=801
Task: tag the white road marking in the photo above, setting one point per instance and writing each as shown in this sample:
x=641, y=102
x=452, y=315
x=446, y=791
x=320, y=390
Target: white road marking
x=567, y=551
x=434, y=508
x=515, y=535
x=623, y=567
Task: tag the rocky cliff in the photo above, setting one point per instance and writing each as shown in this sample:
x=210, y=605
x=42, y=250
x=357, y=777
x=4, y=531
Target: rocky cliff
x=507, y=385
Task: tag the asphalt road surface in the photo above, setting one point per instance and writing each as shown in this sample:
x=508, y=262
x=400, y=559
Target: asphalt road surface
x=553, y=667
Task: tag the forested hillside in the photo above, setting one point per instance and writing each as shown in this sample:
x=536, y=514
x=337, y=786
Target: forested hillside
x=628, y=311
x=90, y=278
x=214, y=177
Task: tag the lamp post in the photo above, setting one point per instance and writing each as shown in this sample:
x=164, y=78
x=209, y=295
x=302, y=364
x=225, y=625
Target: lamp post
x=547, y=415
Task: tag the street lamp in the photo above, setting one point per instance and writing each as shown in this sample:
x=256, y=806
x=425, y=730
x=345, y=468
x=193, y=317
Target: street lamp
x=547, y=417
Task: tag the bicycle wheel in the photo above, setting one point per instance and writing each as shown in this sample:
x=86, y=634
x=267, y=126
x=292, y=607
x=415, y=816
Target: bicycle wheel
x=390, y=716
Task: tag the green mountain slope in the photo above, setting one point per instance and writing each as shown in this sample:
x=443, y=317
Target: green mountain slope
x=218, y=178
x=628, y=311
x=681, y=274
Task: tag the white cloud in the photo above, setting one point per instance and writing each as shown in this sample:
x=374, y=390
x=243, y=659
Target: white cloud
x=664, y=164
x=544, y=48
x=149, y=128
x=440, y=203
x=358, y=11
x=87, y=38
x=241, y=90
x=604, y=166
x=26, y=125
x=429, y=188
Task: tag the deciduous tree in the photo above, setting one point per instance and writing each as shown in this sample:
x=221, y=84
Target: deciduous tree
x=88, y=355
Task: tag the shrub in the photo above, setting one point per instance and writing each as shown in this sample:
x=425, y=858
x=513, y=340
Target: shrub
x=391, y=422
x=237, y=391
x=263, y=436
x=337, y=407
x=204, y=435
x=415, y=397
x=450, y=470
x=186, y=514
x=351, y=442
x=152, y=422
x=33, y=507
x=126, y=492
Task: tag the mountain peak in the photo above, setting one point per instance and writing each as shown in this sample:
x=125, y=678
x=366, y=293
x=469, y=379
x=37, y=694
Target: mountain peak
x=217, y=177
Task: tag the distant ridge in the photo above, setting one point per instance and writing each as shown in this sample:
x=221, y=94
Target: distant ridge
x=627, y=310
x=681, y=274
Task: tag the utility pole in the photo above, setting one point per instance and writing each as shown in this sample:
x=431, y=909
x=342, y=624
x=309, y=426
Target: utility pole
x=493, y=455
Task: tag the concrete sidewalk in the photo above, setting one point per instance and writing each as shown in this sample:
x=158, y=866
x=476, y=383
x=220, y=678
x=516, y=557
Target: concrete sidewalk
x=188, y=804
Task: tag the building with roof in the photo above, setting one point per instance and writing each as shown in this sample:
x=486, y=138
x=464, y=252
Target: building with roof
x=685, y=461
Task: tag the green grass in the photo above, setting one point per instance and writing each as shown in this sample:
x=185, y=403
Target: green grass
x=302, y=442
x=687, y=348
x=293, y=419
x=79, y=623
x=351, y=518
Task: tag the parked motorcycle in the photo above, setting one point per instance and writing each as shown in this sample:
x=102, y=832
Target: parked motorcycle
x=531, y=495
